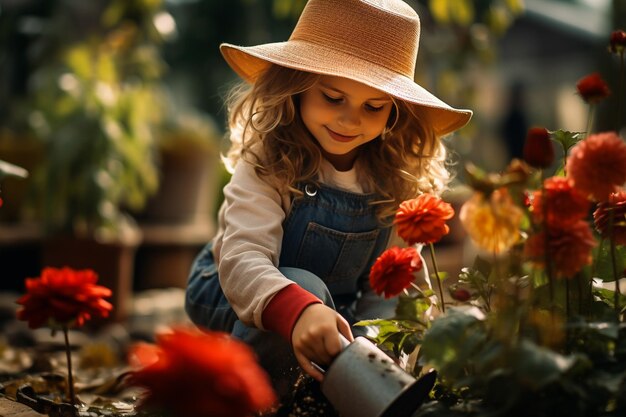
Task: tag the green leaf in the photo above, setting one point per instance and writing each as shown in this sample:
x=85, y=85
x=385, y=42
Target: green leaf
x=398, y=336
x=607, y=296
x=463, y=12
x=516, y=6
x=538, y=366
x=453, y=340
x=482, y=265
x=442, y=275
x=604, y=261
x=566, y=139
x=409, y=308
x=440, y=10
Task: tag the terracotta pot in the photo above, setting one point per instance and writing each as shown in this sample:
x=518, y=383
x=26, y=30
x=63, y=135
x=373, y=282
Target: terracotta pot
x=187, y=190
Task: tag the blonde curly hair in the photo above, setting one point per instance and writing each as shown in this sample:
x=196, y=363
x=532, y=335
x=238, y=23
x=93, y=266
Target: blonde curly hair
x=267, y=131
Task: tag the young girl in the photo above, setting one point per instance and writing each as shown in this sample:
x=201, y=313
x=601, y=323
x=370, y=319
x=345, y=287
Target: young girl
x=329, y=135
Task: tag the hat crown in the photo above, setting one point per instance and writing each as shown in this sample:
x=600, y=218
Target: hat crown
x=383, y=32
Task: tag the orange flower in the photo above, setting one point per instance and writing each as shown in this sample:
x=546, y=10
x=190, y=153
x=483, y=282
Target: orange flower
x=393, y=270
x=538, y=149
x=423, y=219
x=593, y=88
x=617, y=206
x=493, y=224
x=63, y=297
x=617, y=44
x=565, y=204
x=569, y=248
x=597, y=165
x=192, y=373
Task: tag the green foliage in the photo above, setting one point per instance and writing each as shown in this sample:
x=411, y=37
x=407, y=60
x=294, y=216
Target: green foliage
x=567, y=139
x=402, y=333
x=485, y=375
x=497, y=14
x=604, y=261
x=96, y=106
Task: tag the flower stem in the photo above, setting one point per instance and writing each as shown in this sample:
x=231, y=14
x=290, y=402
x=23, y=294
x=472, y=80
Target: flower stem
x=434, y=260
x=546, y=243
x=589, y=120
x=579, y=289
x=70, y=378
x=621, y=89
x=567, y=298
x=614, y=262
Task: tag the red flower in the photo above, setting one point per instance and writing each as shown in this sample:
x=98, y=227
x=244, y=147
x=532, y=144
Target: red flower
x=393, y=270
x=63, y=297
x=423, y=219
x=597, y=165
x=617, y=206
x=569, y=248
x=593, y=88
x=538, y=150
x=565, y=204
x=617, y=44
x=192, y=373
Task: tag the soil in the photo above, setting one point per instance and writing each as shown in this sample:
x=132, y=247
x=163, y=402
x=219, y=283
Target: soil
x=306, y=400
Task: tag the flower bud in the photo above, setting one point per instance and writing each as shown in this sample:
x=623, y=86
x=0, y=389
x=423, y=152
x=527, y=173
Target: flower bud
x=460, y=294
x=538, y=150
x=593, y=88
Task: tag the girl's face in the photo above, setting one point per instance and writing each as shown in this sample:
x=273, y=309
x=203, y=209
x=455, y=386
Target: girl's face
x=342, y=115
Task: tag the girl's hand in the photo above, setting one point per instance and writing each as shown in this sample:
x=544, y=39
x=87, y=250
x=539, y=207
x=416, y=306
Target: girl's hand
x=315, y=337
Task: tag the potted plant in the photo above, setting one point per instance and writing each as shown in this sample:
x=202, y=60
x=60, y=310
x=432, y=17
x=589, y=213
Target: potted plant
x=179, y=218
x=96, y=104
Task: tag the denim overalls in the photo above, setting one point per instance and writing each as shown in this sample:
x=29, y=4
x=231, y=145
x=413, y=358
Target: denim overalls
x=331, y=239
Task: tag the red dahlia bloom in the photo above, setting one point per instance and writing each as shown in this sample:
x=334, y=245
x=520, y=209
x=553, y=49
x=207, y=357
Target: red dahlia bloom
x=63, y=297
x=192, y=373
x=593, y=88
x=569, y=248
x=538, y=149
x=617, y=44
x=597, y=165
x=565, y=204
x=423, y=219
x=617, y=206
x=393, y=270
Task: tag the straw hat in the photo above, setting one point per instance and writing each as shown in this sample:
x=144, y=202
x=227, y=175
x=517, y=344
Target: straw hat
x=374, y=42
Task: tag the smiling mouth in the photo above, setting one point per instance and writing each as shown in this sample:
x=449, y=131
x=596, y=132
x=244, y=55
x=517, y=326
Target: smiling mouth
x=339, y=137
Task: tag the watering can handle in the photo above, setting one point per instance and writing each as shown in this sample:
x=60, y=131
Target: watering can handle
x=344, y=344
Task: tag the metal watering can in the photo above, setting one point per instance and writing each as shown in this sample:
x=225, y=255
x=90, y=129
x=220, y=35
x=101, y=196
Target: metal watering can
x=362, y=381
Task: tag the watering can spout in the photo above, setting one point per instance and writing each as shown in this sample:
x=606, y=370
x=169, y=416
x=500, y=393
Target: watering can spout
x=362, y=381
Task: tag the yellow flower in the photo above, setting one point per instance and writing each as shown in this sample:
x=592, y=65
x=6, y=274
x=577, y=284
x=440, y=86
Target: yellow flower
x=493, y=223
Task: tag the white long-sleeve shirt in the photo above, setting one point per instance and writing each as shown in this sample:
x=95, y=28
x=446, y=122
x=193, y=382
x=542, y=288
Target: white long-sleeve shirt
x=248, y=241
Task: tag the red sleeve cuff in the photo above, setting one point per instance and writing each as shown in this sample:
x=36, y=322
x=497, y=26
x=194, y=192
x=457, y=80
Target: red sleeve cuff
x=282, y=312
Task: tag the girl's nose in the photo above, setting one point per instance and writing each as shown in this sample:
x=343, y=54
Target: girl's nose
x=349, y=117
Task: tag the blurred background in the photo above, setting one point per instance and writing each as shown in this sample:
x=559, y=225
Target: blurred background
x=115, y=108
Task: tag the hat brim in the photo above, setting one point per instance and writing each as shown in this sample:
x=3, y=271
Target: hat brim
x=250, y=62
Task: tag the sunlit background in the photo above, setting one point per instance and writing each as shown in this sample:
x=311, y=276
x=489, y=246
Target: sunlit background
x=115, y=107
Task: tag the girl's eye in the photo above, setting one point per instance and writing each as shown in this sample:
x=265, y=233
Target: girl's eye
x=374, y=109
x=331, y=100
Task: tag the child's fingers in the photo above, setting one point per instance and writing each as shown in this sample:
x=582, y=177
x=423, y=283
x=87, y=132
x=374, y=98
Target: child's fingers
x=321, y=354
x=308, y=367
x=344, y=328
x=332, y=345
